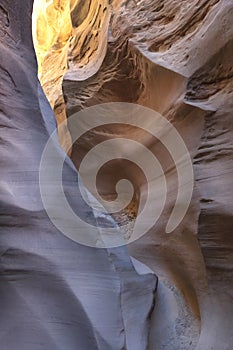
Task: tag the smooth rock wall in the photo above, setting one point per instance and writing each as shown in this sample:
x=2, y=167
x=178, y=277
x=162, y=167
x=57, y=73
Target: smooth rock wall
x=54, y=292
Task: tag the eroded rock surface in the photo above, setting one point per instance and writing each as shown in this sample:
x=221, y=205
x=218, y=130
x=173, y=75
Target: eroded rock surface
x=175, y=58
x=68, y=34
x=55, y=293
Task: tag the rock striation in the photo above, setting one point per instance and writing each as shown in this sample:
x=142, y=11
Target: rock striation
x=68, y=34
x=55, y=293
x=174, y=58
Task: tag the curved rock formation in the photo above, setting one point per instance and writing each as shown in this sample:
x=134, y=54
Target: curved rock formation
x=55, y=293
x=175, y=58
x=68, y=34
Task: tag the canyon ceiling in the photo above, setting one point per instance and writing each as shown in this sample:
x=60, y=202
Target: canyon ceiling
x=170, y=291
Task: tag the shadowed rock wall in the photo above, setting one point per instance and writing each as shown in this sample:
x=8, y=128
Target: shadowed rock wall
x=55, y=293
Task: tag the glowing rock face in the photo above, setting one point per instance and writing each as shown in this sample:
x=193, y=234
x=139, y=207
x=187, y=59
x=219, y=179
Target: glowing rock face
x=68, y=35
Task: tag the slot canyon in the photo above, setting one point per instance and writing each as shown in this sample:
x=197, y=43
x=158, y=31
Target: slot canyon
x=147, y=85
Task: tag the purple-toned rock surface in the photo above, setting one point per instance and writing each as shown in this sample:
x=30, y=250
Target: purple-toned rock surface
x=54, y=293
